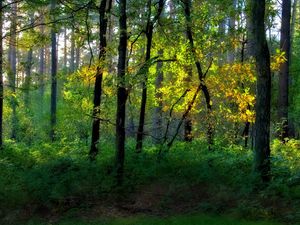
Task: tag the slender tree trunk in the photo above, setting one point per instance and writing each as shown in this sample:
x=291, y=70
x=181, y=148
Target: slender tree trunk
x=263, y=87
x=28, y=68
x=158, y=111
x=12, y=59
x=65, y=47
x=104, y=9
x=149, y=35
x=232, y=28
x=41, y=75
x=42, y=66
x=72, y=58
x=188, y=123
x=285, y=43
x=1, y=77
x=121, y=92
x=201, y=75
x=53, y=78
x=291, y=124
x=77, y=54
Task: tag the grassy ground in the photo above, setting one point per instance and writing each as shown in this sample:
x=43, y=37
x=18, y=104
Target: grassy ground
x=52, y=181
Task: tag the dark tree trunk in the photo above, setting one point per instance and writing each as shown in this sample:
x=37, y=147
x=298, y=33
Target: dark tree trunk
x=263, y=87
x=104, y=9
x=201, y=75
x=1, y=77
x=285, y=44
x=121, y=92
x=12, y=59
x=291, y=124
x=53, y=79
x=77, y=53
x=149, y=35
x=188, y=123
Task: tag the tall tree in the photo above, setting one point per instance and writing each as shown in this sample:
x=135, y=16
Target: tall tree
x=1, y=76
x=42, y=63
x=263, y=90
x=121, y=92
x=285, y=44
x=72, y=58
x=104, y=10
x=12, y=60
x=28, y=67
x=53, y=77
x=149, y=35
x=201, y=75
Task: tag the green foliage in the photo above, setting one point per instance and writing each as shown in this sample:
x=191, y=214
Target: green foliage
x=60, y=176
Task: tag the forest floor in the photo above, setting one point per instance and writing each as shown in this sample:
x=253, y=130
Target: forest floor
x=56, y=184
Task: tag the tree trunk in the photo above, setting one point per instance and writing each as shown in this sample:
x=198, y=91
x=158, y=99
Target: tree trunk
x=157, y=118
x=12, y=59
x=263, y=87
x=1, y=77
x=72, y=58
x=104, y=9
x=121, y=93
x=77, y=52
x=149, y=35
x=53, y=79
x=188, y=123
x=285, y=41
x=291, y=124
x=201, y=76
x=65, y=48
x=28, y=71
x=42, y=67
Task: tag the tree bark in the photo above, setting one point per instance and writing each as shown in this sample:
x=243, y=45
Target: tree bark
x=53, y=78
x=104, y=9
x=1, y=77
x=72, y=58
x=201, y=75
x=12, y=59
x=149, y=35
x=285, y=44
x=121, y=93
x=291, y=124
x=263, y=90
x=28, y=71
x=157, y=118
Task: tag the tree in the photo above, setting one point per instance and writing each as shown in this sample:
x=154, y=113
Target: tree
x=263, y=90
x=104, y=10
x=53, y=77
x=285, y=44
x=12, y=60
x=1, y=77
x=121, y=92
x=201, y=75
x=149, y=35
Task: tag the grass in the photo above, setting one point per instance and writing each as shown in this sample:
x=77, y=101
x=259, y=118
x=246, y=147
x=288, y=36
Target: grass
x=52, y=179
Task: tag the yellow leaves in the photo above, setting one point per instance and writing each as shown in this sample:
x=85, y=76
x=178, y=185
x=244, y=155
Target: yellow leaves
x=277, y=60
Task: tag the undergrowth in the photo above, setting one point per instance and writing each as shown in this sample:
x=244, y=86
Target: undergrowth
x=59, y=176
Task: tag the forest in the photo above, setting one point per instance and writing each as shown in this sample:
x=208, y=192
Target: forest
x=149, y=112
